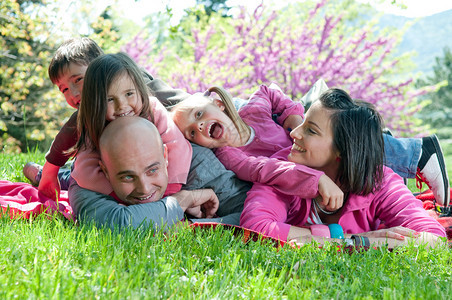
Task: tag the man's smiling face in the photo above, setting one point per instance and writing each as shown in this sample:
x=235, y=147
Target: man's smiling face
x=135, y=162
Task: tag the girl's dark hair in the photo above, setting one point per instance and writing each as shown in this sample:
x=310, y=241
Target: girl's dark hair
x=78, y=50
x=357, y=136
x=101, y=73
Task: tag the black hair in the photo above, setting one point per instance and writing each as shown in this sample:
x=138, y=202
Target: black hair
x=357, y=136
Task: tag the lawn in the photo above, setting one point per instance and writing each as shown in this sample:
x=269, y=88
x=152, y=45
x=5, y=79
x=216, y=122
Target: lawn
x=50, y=257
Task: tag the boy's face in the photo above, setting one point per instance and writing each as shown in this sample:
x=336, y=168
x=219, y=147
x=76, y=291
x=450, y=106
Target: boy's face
x=70, y=83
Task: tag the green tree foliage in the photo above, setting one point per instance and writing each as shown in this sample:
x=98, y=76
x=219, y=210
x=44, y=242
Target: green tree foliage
x=214, y=6
x=105, y=32
x=438, y=113
x=27, y=115
x=32, y=109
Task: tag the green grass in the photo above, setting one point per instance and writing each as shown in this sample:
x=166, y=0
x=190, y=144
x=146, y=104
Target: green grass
x=50, y=257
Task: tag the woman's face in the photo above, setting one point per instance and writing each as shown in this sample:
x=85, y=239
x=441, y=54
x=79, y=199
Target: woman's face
x=313, y=141
x=206, y=124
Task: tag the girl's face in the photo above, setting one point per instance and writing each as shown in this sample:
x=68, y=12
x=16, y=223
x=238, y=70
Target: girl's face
x=207, y=125
x=313, y=141
x=123, y=98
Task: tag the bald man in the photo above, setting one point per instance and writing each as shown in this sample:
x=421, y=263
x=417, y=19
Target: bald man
x=134, y=160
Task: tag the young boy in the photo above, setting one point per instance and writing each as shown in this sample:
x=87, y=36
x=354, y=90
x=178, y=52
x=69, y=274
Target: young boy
x=66, y=71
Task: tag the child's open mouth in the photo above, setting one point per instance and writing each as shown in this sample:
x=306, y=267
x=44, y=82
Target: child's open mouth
x=215, y=130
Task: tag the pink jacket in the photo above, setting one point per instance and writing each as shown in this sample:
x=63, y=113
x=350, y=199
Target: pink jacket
x=271, y=212
x=252, y=162
x=89, y=175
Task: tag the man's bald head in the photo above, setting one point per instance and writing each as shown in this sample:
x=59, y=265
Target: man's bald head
x=128, y=131
x=134, y=160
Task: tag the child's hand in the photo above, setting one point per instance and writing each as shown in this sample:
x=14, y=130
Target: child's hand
x=49, y=184
x=292, y=122
x=332, y=195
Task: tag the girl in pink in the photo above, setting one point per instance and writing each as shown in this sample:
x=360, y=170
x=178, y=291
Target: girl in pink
x=245, y=140
x=114, y=87
x=343, y=139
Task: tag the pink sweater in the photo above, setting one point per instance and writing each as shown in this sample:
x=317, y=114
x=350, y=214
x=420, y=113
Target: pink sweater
x=252, y=162
x=271, y=212
x=89, y=175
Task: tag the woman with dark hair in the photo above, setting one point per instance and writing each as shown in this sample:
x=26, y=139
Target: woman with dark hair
x=342, y=138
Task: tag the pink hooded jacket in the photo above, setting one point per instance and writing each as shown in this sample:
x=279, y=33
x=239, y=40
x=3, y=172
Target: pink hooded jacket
x=271, y=212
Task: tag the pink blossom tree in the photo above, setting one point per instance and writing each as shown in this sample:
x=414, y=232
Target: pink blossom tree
x=292, y=51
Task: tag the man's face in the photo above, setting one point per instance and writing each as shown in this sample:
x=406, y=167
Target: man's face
x=137, y=174
x=70, y=83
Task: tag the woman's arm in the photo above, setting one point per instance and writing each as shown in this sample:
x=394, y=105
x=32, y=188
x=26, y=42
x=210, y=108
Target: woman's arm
x=266, y=211
x=395, y=205
x=398, y=236
x=389, y=237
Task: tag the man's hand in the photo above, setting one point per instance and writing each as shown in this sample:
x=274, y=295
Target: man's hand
x=198, y=203
x=332, y=195
x=49, y=184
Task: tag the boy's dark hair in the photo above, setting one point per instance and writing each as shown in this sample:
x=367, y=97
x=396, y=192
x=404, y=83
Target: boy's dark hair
x=101, y=73
x=357, y=136
x=77, y=50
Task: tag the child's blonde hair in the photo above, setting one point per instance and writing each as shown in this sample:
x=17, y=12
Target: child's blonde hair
x=225, y=97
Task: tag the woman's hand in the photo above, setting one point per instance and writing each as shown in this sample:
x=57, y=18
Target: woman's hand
x=388, y=237
x=397, y=236
x=398, y=233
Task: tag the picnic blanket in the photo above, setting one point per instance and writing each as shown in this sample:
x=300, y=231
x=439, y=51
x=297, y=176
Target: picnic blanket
x=21, y=200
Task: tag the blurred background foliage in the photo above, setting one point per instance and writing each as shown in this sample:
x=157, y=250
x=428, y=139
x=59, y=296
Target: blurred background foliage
x=211, y=45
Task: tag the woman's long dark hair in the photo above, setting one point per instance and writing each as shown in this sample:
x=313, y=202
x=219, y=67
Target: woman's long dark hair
x=357, y=136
